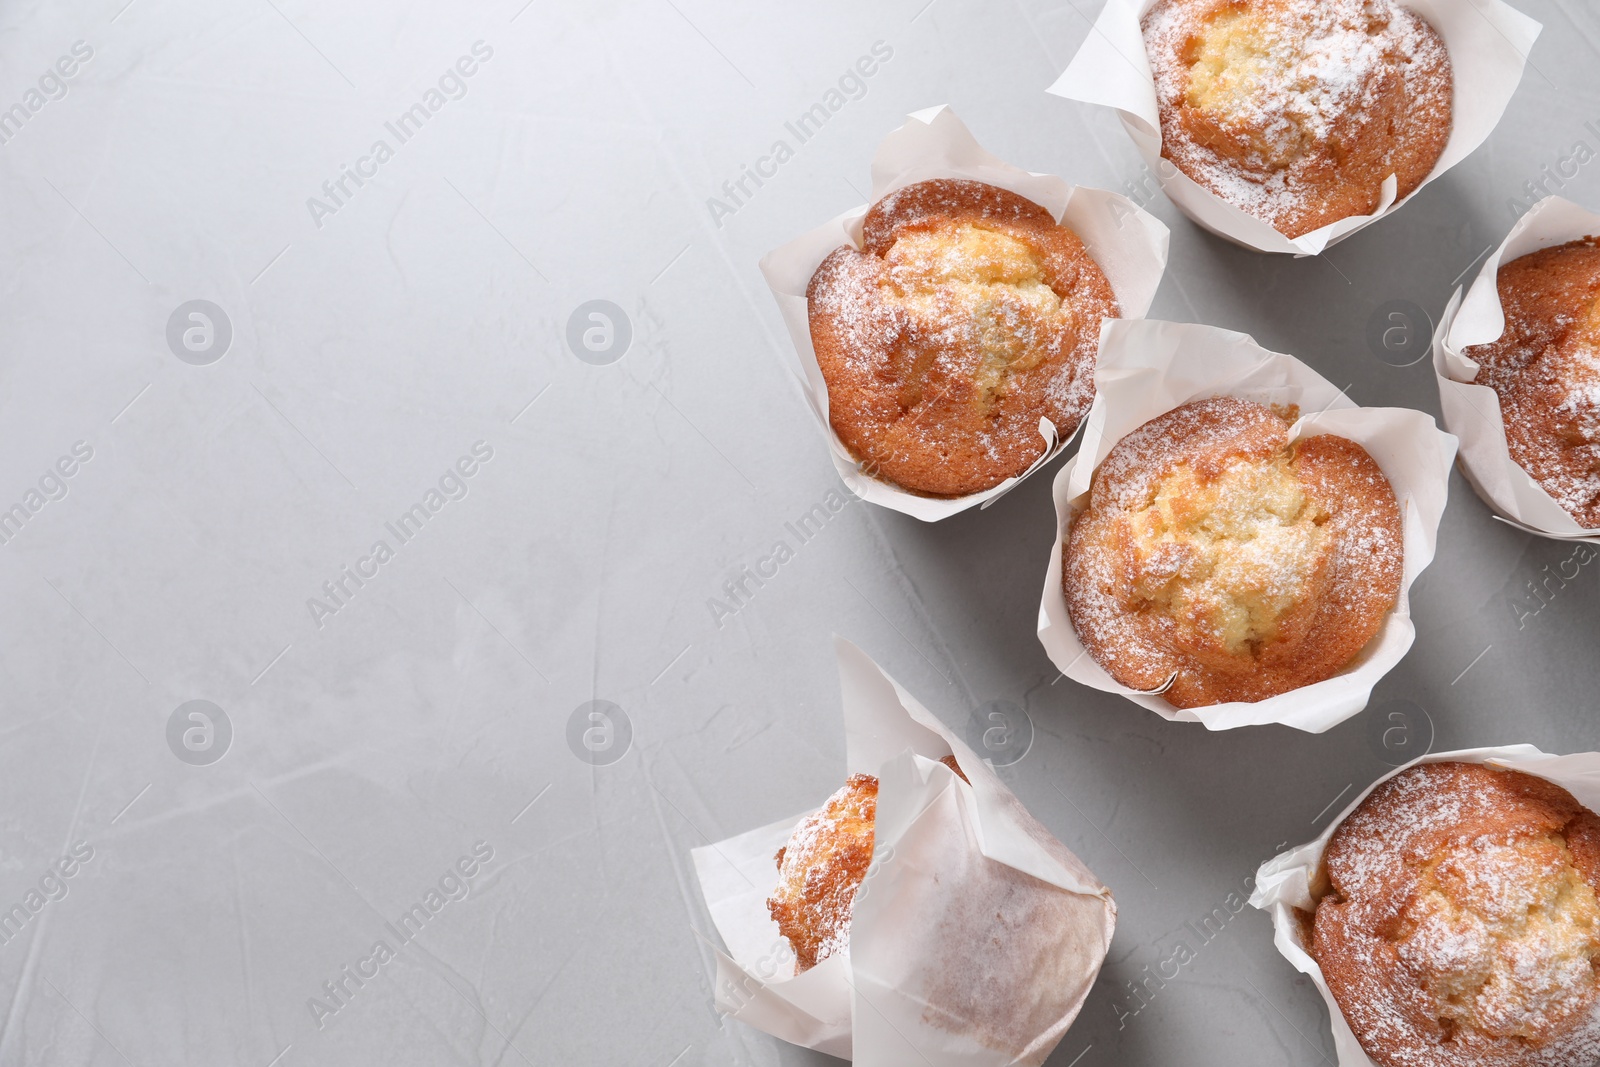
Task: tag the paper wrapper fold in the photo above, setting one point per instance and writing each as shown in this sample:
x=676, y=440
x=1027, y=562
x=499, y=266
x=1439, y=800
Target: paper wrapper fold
x=1489, y=42
x=1284, y=882
x=1472, y=412
x=1129, y=244
x=1148, y=368
x=975, y=937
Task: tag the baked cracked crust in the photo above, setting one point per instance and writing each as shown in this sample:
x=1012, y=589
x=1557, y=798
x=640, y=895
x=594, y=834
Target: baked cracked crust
x=822, y=865
x=1461, y=927
x=968, y=314
x=1296, y=111
x=1216, y=553
x=819, y=870
x=1545, y=368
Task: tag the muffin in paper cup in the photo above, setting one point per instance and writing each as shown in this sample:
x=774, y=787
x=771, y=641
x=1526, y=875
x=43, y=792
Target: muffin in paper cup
x=1149, y=368
x=1288, y=881
x=1472, y=412
x=1488, y=42
x=1128, y=244
x=975, y=937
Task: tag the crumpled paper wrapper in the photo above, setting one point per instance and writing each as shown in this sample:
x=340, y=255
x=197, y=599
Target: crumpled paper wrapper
x=1284, y=882
x=1148, y=368
x=1128, y=243
x=976, y=935
x=1489, y=42
x=1472, y=412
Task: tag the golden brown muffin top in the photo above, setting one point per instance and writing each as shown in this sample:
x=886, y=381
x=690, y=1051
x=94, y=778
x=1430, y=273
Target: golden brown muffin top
x=1296, y=111
x=819, y=870
x=1216, y=550
x=968, y=314
x=821, y=867
x=1461, y=926
x=1545, y=367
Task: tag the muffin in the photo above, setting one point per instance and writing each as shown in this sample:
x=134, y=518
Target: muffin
x=1296, y=111
x=1220, y=560
x=968, y=315
x=821, y=867
x=1545, y=368
x=1459, y=923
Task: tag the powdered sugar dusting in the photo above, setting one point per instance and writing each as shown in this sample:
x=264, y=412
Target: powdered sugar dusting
x=968, y=315
x=1215, y=550
x=1294, y=110
x=1545, y=367
x=819, y=870
x=1459, y=929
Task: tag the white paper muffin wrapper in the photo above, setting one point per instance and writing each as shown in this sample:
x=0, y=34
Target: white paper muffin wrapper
x=1128, y=243
x=920, y=982
x=1148, y=368
x=1489, y=42
x=1472, y=412
x=1284, y=882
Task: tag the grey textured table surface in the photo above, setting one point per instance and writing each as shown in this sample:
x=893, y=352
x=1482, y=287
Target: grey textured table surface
x=423, y=714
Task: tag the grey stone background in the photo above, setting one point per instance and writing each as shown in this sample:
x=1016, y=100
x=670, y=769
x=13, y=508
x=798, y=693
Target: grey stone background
x=374, y=747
